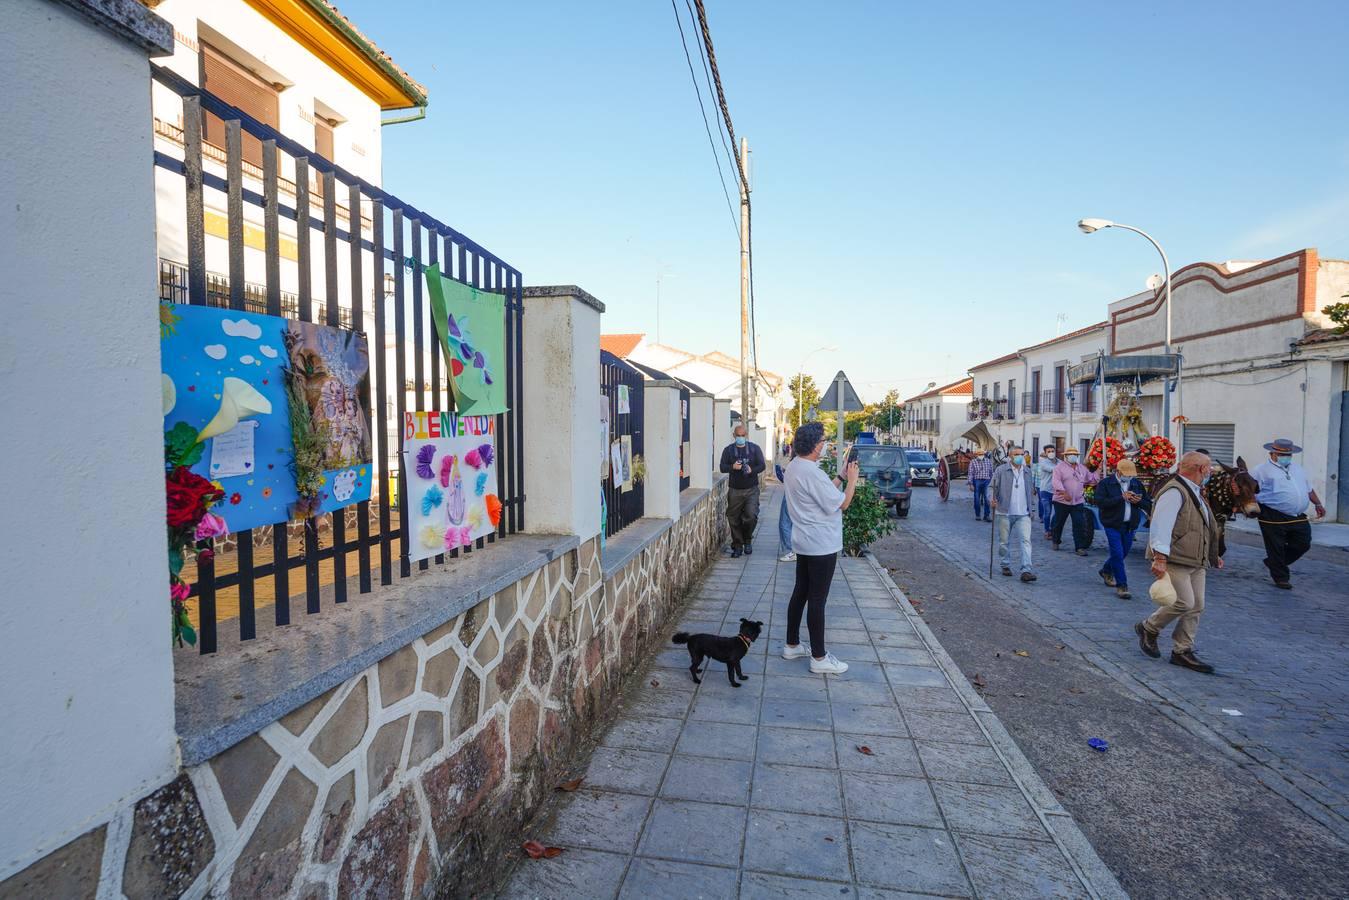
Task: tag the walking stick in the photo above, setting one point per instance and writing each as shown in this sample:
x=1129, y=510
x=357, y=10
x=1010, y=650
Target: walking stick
x=991, y=529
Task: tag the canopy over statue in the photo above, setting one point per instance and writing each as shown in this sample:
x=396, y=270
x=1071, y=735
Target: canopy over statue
x=1123, y=417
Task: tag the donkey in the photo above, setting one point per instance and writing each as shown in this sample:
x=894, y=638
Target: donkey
x=1230, y=492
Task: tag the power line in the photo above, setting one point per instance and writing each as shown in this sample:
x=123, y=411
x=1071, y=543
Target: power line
x=707, y=79
x=711, y=58
x=706, y=125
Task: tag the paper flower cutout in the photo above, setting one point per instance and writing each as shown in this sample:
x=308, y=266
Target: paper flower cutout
x=431, y=499
x=432, y=537
x=424, y=457
x=481, y=487
x=446, y=465
x=486, y=452
x=493, y=509
x=473, y=459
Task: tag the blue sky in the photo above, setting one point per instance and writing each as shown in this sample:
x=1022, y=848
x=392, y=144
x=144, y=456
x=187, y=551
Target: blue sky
x=918, y=170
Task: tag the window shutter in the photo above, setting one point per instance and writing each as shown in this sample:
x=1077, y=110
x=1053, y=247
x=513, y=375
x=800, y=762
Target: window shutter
x=239, y=88
x=1218, y=440
x=323, y=138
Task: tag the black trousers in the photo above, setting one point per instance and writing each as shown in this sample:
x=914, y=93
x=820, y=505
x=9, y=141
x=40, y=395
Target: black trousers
x=814, y=574
x=1286, y=539
x=1082, y=524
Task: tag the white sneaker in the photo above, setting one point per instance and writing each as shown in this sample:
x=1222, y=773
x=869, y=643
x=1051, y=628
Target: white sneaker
x=795, y=652
x=830, y=665
x=787, y=557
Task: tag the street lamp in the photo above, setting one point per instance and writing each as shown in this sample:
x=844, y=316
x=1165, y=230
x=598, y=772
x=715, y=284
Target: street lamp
x=801, y=382
x=1088, y=226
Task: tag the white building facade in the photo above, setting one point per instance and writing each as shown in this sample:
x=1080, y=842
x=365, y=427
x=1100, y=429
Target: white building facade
x=930, y=416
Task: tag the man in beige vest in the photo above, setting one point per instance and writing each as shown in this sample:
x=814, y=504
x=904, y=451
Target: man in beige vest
x=1182, y=543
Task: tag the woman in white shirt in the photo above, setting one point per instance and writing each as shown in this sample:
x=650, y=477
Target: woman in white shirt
x=816, y=504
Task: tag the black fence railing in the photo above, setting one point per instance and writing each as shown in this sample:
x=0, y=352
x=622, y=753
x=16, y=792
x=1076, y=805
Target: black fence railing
x=252, y=569
x=618, y=378
x=1056, y=402
x=685, y=398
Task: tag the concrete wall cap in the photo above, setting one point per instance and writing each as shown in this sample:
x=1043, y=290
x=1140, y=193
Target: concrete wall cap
x=564, y=290
x=702, y=394
x=663, y=382
x=129, y=20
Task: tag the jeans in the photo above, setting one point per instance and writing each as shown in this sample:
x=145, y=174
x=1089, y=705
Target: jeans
x=1286, y=539
x=1121, y=540
x=1046, y=509
x=814, y=574
x=1018, y=529
x=981, y=498
x=784, y=529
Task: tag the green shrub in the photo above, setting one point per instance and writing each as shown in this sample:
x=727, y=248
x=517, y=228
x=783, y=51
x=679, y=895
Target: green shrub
x=1339, y=314
x=867, y=518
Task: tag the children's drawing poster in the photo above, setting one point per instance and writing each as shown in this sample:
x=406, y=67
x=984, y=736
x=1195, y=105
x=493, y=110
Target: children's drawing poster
x=449, y=461
x=616, y=462
x=224, y=376
x=604, y=437
x=471, y=325
x=624, y=401
x=625, y=449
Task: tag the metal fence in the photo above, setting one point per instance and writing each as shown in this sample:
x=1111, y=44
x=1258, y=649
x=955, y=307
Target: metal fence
x=383, y=253
x=622, y=508
x=684, y=451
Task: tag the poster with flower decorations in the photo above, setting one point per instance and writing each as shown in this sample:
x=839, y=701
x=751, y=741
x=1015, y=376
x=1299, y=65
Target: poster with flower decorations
x=449, y=462
x=272, y=412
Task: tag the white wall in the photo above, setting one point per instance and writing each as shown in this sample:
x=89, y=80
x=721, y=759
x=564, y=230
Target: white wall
x=660, y=447
x=562, y=417
x=87, y=705
x=702, y=449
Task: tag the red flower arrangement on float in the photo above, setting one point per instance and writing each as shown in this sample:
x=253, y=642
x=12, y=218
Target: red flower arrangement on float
x=191, y=524
x=1114, y=452
x=1156, y=454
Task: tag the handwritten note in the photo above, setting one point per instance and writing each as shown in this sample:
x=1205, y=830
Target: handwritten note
x=232, y=451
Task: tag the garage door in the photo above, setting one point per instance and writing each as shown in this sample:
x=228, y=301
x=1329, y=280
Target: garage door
x=1218, y=440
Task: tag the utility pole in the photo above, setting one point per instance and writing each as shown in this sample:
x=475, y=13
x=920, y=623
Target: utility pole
x=746, y=401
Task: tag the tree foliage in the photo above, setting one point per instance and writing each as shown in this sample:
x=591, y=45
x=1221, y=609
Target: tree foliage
x=811, y=398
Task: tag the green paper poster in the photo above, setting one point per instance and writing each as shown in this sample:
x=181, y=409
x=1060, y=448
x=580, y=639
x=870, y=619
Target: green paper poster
x=471, y=325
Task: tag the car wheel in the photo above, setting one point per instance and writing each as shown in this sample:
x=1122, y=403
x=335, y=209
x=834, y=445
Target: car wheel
x=902, y=512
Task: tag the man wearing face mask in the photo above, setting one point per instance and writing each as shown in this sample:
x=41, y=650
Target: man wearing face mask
x=1013, y=497
x=1283, y=498
x=1183, y=546
x=742, y=460
x=1044, y=484
x=978, y=476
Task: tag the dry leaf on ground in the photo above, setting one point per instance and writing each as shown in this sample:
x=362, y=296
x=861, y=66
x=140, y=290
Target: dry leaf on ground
x=978, y=681
x=535, y=850
x=570, y=786
x=1022, y=653
x=865, y=750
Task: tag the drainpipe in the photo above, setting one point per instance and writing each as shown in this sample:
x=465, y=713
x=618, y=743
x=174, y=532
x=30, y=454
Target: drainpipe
x=1025, y=382
x=399, y=120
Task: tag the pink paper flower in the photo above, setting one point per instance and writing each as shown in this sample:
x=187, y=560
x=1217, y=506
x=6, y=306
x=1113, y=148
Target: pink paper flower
x=179, y=591
x=211, y=526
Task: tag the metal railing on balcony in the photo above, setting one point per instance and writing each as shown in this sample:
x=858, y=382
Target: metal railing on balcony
x=403, y=241
x=1056, y=403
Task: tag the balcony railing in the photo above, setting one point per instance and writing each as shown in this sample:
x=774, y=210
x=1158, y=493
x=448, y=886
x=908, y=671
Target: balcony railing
x=1056, y=403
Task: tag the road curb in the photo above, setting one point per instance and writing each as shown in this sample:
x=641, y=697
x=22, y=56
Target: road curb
x=1093, y=872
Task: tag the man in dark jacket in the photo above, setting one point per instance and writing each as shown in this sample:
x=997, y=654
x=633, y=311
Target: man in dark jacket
x=742, y=460
x=1121, y=500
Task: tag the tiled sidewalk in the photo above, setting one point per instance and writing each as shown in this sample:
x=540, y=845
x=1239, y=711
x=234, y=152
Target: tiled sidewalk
x=762, y=791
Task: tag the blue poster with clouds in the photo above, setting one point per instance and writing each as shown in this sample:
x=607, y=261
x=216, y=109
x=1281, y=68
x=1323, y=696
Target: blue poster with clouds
x=224, y=375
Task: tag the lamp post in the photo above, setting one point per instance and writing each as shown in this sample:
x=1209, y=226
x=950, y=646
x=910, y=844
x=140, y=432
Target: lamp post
x=801, y=379
x=1088, y=226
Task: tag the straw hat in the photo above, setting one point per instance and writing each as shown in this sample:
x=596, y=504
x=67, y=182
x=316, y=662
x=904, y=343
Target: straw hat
x=1127, y=468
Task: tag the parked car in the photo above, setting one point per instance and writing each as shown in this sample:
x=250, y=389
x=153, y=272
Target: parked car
x=922, y=467
x=887, y=467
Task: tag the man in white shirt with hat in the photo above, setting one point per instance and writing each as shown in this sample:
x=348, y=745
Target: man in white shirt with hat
x=1283, y=498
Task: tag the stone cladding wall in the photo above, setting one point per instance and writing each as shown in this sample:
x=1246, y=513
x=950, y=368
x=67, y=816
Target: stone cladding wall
x=410, y=779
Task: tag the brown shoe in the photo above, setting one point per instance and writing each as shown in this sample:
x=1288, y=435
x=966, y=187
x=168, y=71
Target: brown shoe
x=1284, y=585
x=1107, y=578
x=1080, y=552
x=1056, y=545
x=1147, y=641
x=1027, y=577
x=1188, y=660
x=1122, y=593
x=1007, y=570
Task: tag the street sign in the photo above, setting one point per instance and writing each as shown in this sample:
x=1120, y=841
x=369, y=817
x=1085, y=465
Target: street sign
x=830, y=400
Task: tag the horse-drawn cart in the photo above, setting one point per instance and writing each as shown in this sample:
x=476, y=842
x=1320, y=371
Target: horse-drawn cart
x=953, y=466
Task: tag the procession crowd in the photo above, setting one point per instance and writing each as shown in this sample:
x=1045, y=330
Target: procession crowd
x=1184, y=523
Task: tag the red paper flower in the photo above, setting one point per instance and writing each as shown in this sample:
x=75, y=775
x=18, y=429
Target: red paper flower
x=188, y=496
x=236, y=498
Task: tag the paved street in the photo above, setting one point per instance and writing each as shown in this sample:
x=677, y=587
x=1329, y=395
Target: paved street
x=1259, y=798
x=764, y=791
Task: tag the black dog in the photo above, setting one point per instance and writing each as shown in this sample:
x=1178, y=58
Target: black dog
x=729, y=650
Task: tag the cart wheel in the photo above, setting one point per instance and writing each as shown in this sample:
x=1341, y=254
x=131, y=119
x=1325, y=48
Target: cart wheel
x=943, y=480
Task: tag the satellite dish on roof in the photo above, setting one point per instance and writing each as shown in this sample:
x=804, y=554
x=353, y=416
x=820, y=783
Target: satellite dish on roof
x=1154, y=282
